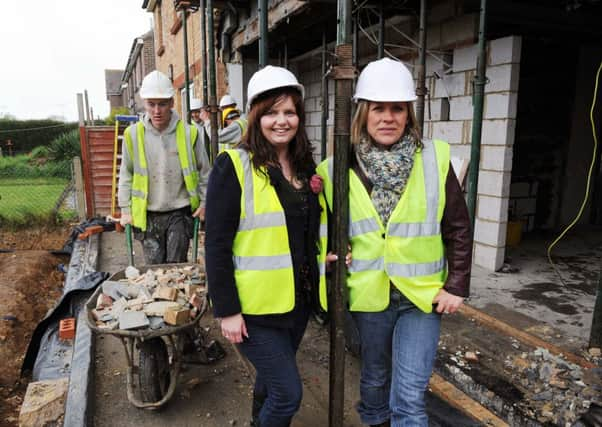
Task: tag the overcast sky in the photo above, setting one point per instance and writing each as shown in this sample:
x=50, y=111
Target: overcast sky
x=53, y=49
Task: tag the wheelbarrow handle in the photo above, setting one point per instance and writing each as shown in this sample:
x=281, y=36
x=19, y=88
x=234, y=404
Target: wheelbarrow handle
x=195, y=239
x=128, y=241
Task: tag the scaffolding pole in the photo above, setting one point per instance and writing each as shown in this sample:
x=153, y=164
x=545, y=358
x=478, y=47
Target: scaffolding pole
x=343, y=74
x=204, y=49
x=381, y=30
x=355, y=48
x=421, y=68
x=186, y=112
x=325, y=106
x=477, y=117
x=212, y=82
x=262, y=11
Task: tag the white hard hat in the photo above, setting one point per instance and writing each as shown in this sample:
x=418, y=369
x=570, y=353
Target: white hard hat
x=385, y=80
x=226, y=100
x=156, y=85
x=269, y=78
x=195, y=104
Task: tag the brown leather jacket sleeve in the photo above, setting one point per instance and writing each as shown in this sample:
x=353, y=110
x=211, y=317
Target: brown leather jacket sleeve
x=457, y=238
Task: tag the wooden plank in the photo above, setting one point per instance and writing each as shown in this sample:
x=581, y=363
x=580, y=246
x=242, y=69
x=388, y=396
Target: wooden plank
x=459, y=400
x=522, y=336
x=250, y=32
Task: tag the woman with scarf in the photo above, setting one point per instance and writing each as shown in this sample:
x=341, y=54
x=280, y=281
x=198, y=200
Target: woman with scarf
x=410, y=241
x=265, y=242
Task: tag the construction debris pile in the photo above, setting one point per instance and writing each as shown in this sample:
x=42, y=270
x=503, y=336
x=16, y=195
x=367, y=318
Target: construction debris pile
x=559, y=391
x=156, y=299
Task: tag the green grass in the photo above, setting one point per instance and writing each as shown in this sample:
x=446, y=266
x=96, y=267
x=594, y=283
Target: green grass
x=25, y=201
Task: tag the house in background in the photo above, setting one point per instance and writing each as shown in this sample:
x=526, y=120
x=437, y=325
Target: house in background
x=113, y=88
x=141, y=61
x=169, y=50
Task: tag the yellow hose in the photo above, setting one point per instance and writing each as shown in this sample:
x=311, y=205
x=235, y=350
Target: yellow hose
x=589, y=177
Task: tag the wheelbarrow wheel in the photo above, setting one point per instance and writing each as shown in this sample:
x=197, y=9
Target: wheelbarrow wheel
x=153, y=366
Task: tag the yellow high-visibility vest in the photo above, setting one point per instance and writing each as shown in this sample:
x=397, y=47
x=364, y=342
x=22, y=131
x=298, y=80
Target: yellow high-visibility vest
x=408, y=251
x=185, y=140
x=263, y=265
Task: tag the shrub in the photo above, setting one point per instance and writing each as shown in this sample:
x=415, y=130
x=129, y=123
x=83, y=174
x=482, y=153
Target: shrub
x=27, y=134
x=40, y=152
x=65, y=146
x=23, y=167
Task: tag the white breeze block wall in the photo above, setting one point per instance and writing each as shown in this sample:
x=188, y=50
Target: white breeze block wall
x=311, y=77
x=454, y=88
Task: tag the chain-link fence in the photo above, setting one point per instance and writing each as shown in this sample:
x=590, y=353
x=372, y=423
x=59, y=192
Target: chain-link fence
x=36, y=190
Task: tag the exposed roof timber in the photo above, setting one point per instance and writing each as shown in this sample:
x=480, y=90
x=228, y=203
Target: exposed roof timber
x=239, y=4
x=530, y=16
x=301, y=33
x=276, y=15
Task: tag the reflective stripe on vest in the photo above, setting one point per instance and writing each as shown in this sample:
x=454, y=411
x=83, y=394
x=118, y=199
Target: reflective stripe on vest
x=185, y=140
x=409, y=250
x=261, y=254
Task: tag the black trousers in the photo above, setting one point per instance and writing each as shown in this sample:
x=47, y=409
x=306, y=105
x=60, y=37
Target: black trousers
x=167, y=236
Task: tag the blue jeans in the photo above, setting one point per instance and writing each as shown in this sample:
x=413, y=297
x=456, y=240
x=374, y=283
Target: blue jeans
x=272, y=352
x=393, y=387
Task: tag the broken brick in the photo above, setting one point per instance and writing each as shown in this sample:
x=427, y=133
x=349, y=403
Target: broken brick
x=67, y=328
x=166, y=293
x=176, y=317
x=196, y=301
x=103, y=301
x=133, y=320
x=190, y=290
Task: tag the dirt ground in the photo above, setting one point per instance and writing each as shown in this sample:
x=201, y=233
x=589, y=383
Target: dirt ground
x=219, y=394
x=30, y=285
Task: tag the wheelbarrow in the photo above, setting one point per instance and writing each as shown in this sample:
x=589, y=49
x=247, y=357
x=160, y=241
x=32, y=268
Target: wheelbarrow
x=153, y=356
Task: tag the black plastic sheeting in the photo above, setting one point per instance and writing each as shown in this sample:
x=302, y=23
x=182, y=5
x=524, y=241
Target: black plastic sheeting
x=47, y=357
x=67, y=248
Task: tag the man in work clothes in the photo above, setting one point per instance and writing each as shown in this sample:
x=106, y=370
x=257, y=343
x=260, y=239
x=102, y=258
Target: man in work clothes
x=198, y=113
x=163, y=175
x=234, y=125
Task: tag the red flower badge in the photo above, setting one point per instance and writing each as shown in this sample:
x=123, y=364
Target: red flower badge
x=315, y=182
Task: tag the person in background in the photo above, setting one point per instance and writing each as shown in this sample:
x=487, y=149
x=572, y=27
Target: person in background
x=234, y=125
x=266, y=241
x=196, y=110
x=411, y=244
x=163, y=175
x=198, y=113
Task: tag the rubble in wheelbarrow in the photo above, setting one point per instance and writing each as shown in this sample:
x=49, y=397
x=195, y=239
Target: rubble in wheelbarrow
x=159, y=298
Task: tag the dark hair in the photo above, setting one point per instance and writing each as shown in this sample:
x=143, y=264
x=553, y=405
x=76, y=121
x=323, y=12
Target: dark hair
x=264, y=153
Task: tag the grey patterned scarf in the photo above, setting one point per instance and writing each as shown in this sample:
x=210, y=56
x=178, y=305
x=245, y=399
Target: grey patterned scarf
x=388, y=170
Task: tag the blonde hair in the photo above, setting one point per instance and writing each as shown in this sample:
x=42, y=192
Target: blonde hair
x=360, y=118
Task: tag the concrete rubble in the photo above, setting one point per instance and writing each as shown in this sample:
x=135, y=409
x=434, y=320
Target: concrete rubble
x=559, y=392
x=159, y=298
x=552, y=390
x=44, y=403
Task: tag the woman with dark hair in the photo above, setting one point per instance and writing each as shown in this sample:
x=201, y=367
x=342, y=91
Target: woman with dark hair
x=266, y=242
x=411, y=244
